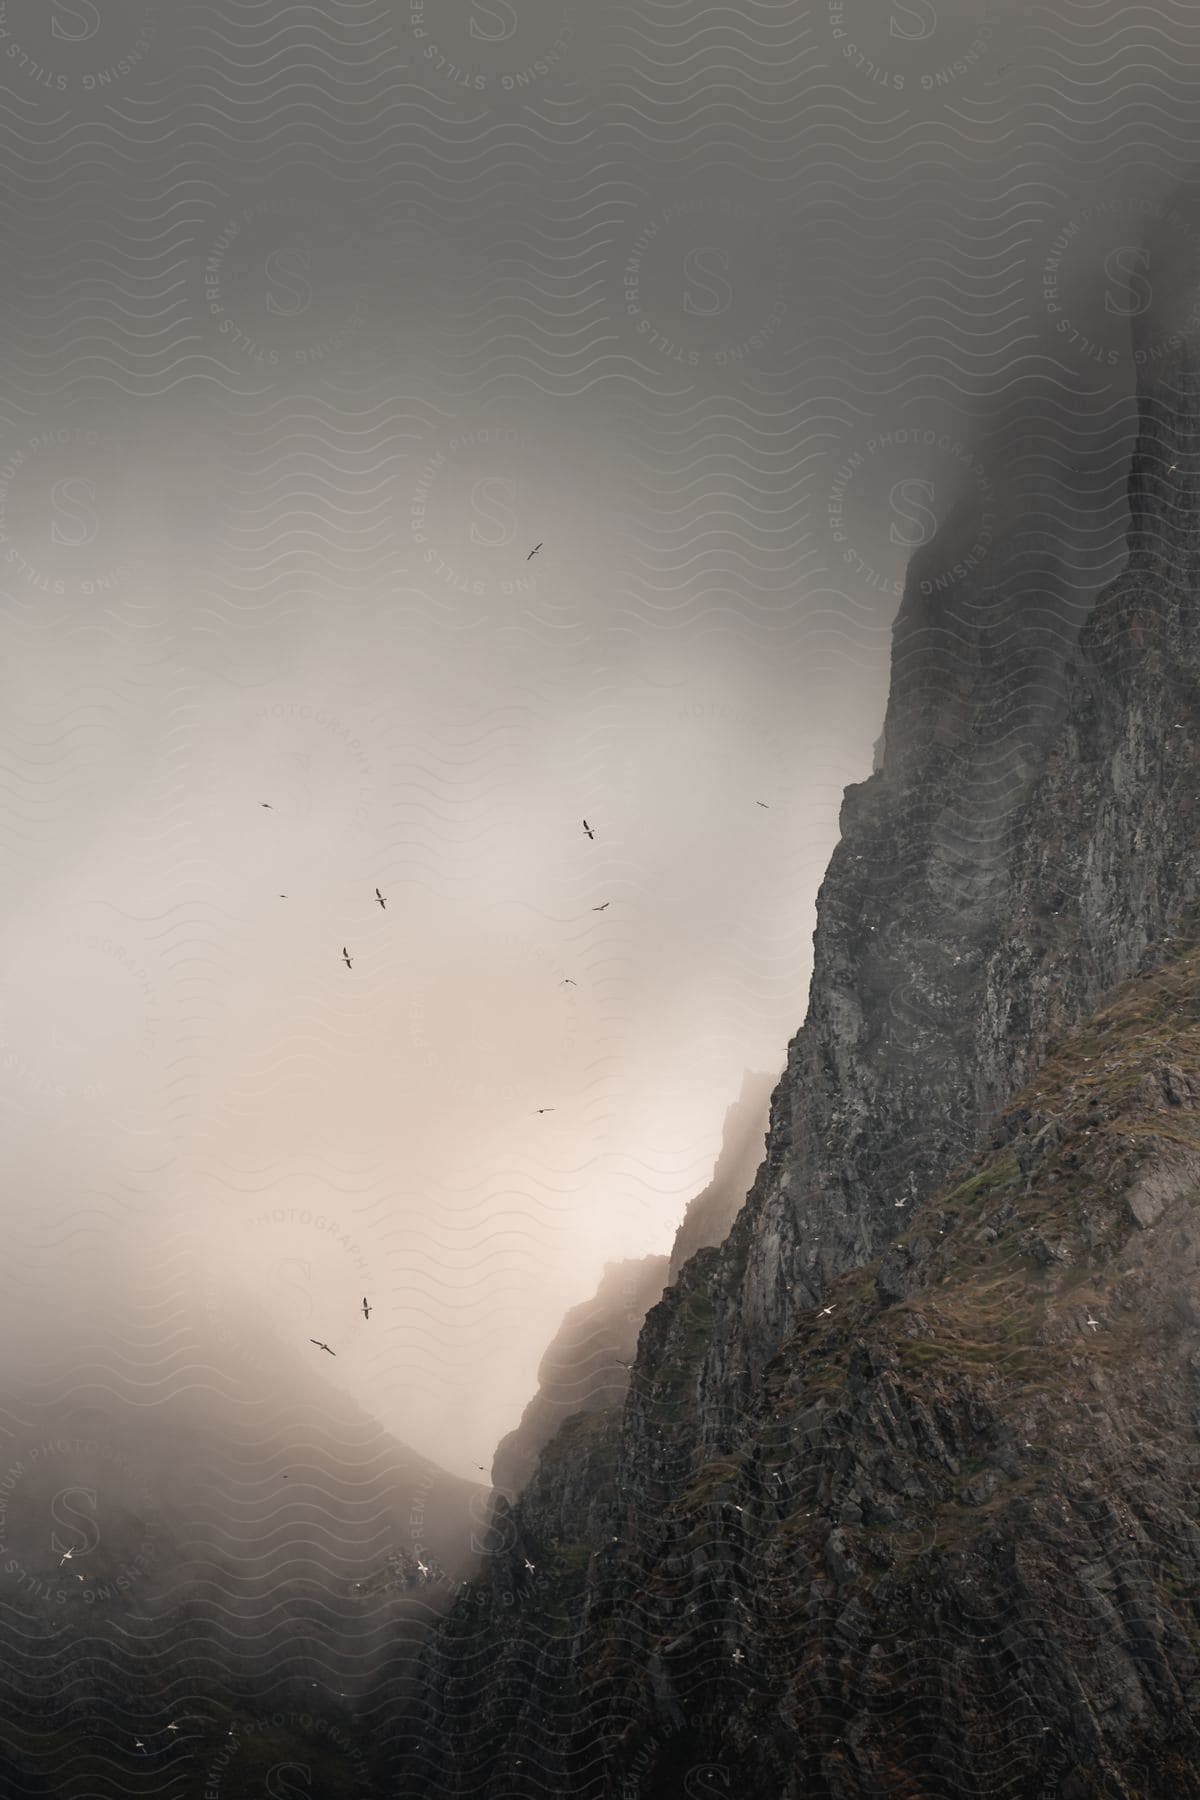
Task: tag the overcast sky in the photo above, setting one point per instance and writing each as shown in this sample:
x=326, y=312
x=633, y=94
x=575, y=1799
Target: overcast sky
x=315, y=323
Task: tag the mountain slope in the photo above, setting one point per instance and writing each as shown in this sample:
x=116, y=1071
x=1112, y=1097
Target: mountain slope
x=586, y=1367
x=955, y=1549
x=220, y=1549
x=1028, y=844
x=710, y=1215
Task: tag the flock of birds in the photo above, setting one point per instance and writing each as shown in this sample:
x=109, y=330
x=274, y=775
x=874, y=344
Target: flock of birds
x=566, y=982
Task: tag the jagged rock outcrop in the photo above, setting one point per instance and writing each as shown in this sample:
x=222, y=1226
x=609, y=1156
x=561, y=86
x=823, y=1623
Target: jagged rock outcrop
x=586, y=1368
x=901, y=1499
x=955, y=1550
x=710, y=1215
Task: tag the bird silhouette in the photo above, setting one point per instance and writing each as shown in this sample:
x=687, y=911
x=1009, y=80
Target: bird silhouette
x=589, y=830
x=1092, y=1322
x=481, y=1468
x=763, y=804
x=543, y=1109
x=601, y=908
x=321, y=1346
x=533, y=553
x=366, y=1308
x=283, y=896
x=381, y=899
x=567, y=982
x=267, y=804
x=346, y=957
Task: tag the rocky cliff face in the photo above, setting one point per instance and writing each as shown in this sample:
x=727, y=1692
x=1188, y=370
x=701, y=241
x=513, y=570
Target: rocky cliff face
x=586, y=1368
x=899, y=1501
x=710, y=1215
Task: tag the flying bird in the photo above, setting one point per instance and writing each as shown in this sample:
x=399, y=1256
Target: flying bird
x=543, y=1109
x=824, y=1310
x=481, y=1468
x=283, y=896
x=589, y=830
x=381, y=899
x=533, y=553
x=763, y=804
x=366, y=1308
x=346, y=957
x=601, y=908
x=567, y=982
x=66, y=1557
x=1092, y=1322
x=267, y=804
x=321, y=1346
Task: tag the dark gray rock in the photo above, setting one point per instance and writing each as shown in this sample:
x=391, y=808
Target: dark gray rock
x=962, y=1568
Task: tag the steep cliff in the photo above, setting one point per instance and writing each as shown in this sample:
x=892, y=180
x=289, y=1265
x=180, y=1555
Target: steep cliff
x=586, y=1368
x=954, y=1548
x=887, y=1509
x=710, y=1215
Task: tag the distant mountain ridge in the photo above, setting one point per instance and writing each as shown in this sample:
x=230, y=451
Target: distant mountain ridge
x=250, y=1544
